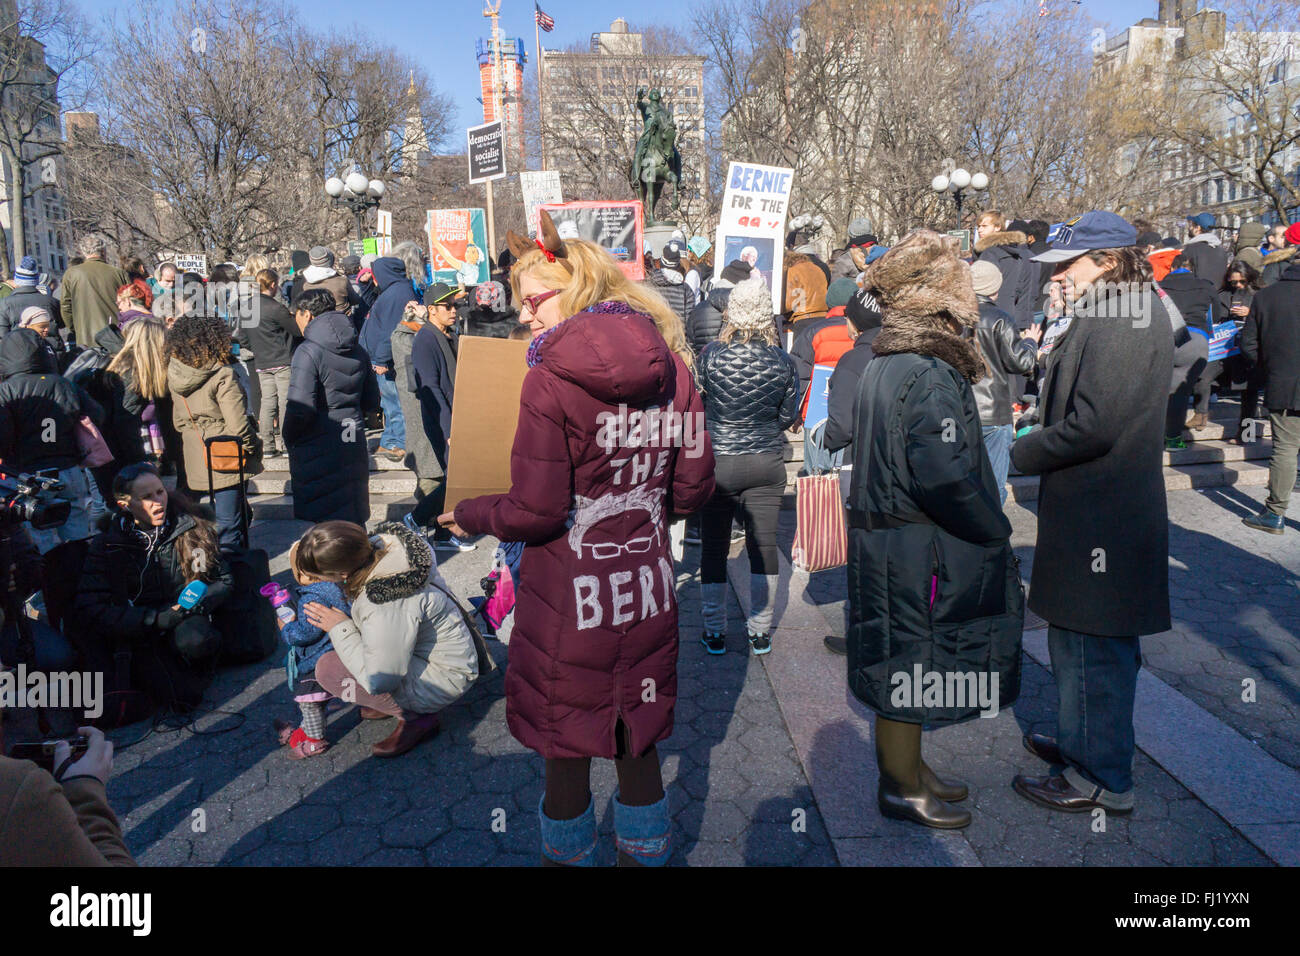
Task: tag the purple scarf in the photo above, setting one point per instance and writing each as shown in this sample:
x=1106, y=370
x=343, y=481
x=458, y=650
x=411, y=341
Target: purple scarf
x=535, y=346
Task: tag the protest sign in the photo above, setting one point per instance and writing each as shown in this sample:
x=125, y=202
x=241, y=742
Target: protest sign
x=457, y=243
x=1223, y=343
x=486, y=153
x=963, y=238
x=383, y=232
x=539, y=187
x=818, y=396
x=751, y=225
x=615, y=226
x=484, y=413
x=191, y=263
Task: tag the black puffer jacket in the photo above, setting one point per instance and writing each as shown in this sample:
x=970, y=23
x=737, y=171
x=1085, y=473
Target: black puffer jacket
x=1006, y=354
x=331, y=387
x=751, y=396
x=39, y=408
x=132, y=575
x=932, y=579
x=672, y=286
x=705, y=320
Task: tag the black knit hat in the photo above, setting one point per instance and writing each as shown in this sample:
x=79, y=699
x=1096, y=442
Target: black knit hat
x=736, y=271
x=864, y=312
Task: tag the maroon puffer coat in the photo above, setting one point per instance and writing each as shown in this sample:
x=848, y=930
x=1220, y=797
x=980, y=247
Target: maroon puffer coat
x=595, y=633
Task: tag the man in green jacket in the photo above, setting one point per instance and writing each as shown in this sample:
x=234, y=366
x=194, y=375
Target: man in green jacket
x=89, y=299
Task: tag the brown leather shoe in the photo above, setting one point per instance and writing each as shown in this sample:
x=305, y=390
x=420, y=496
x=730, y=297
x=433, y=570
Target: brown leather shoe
x=369, y=713
x=1057, y=793
x=406, y=735
x=1198, y=421
x=1043, y=747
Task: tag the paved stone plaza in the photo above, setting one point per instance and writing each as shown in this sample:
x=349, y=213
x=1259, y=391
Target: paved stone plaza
x=771, y=761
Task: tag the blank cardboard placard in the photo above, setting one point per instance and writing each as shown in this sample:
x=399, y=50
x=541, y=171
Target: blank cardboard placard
x=484, y=413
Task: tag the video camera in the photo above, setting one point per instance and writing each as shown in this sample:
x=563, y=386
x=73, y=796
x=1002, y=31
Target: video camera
x=32, y=498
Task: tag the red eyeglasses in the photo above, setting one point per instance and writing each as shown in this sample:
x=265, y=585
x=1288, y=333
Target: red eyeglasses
x=534, y=302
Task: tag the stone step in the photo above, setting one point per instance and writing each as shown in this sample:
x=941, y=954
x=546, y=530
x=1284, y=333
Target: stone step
x=384, y=507
x=381, y=482
x=1201, y=451
x=1212, y=473
x=377, y=463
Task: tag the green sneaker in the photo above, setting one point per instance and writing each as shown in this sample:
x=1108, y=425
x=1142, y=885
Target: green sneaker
x=1175, y=444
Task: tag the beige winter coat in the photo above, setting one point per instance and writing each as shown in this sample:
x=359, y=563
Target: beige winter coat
x=406, y=637
x=207, y=402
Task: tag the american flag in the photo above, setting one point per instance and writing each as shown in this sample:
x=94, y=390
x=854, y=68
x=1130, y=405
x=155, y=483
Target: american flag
x=543, y=18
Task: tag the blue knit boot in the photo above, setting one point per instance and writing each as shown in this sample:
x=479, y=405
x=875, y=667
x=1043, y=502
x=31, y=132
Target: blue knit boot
x=568, y=842
x=643, y=835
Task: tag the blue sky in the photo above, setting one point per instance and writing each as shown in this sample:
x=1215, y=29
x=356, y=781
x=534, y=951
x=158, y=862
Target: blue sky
x=442, y=34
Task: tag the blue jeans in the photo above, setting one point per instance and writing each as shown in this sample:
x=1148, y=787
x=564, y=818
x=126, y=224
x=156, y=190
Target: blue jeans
x=53, y=652
x=394, y=435
x=1096, y=678
x=997, y=442
x=226, y=503
x=76, y=491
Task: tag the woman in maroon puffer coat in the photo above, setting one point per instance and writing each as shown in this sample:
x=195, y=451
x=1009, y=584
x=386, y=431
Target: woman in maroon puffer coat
x=610, y=444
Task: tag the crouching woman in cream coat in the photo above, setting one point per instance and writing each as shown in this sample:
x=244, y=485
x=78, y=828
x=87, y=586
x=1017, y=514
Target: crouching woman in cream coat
x=405, y=651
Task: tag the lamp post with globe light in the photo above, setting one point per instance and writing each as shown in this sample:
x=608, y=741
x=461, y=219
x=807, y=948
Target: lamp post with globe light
x=358, y=192
x=956, y=183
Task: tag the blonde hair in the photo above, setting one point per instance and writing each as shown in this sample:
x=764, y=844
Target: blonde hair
x=596, y=277
x=993, y=216
x=255, y=264
x=143, y=354
x=731, y=333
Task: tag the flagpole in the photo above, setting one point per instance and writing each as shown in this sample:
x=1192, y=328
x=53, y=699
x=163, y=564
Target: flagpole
x=541, y=122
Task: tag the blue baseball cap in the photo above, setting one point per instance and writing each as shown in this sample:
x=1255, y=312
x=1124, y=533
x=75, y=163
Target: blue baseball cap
x=1092, y=230
x=1203, y=219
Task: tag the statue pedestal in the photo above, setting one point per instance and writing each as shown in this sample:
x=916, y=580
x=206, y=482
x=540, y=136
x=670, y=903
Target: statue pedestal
x=657, y=235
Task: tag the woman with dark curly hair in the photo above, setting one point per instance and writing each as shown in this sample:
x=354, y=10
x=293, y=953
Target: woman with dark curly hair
x=207, y=401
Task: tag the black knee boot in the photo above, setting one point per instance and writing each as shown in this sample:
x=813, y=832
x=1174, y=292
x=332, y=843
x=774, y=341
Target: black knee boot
x=901, y=794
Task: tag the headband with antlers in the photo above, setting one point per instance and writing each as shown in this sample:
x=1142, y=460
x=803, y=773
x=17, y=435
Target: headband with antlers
x=548, y=241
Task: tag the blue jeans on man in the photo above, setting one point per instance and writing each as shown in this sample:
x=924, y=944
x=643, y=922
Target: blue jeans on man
x=394, y=435
x=1096, y=678
x=997, y=442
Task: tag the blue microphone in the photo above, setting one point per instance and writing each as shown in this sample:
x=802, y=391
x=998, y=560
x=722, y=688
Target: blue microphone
x=192, y=595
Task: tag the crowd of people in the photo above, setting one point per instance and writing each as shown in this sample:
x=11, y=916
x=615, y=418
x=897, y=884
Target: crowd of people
x=1079, y=352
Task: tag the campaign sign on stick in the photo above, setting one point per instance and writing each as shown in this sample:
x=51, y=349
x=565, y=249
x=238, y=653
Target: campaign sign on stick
x=615, y=226
x=486, y=152
x=751, y=226
x=457, y=246
x=538, y=187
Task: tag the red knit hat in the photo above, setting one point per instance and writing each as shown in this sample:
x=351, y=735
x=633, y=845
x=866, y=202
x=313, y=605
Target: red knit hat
x=1293, y=234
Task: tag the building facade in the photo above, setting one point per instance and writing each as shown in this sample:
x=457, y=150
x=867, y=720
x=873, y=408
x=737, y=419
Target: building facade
x=501, y=80
x=1151, y=51
x=591, y=122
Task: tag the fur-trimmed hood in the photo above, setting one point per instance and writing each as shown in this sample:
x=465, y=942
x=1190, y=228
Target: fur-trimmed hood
x=1009, y=238
x=405, y=568
x=1282, y=255
x=922, y=286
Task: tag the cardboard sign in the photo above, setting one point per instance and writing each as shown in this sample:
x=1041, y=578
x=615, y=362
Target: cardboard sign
x=191, y=263
x=751, y=225
x=539, y=187
x=818, y=396
x=484, y=413
x=486, y=152
x=384, y=232
x=614, y=226
x=457, y=241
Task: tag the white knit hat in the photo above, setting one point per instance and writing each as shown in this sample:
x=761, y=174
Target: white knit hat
x=986, y=278
x=32, y=315
x=750, y=305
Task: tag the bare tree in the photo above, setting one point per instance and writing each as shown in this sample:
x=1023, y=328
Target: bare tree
x=221, y=124
x=41, y=43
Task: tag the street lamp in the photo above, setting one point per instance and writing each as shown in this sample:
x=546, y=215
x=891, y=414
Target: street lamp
x=956, y=183
x=358, y=192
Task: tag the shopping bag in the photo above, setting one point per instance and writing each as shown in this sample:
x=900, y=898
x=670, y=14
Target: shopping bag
x=821, y=534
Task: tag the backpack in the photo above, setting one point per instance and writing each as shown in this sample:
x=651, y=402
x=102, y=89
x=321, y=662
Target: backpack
x=88, y=360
